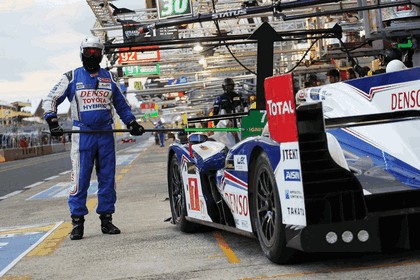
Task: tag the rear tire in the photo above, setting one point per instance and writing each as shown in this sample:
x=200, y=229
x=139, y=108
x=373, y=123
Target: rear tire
x=266, y=212
x=177, y=198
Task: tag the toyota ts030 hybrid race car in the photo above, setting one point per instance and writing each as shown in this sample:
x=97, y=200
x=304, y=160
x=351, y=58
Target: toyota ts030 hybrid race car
x=338, y=173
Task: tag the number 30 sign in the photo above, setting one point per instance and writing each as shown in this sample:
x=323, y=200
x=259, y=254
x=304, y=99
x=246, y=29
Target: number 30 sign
x=174, y=8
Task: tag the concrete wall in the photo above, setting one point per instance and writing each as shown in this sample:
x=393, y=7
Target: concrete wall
x=21, y=153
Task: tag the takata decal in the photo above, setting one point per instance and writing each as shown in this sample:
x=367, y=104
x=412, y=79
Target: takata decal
x=292, y=175
x=240, y=163
x=296, y=211
x=80, y=85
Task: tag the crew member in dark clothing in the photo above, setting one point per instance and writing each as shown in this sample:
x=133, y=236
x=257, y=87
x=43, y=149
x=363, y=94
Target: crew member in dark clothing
x=230, y=101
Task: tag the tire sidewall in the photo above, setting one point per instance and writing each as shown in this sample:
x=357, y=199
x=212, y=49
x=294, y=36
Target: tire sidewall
x=276, y=249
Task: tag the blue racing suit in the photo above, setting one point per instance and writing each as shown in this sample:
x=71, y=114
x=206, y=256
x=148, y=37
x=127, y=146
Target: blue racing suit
x=92, y=101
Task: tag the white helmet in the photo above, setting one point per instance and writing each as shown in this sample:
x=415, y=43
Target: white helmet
x=91, y=42
x=395, y=65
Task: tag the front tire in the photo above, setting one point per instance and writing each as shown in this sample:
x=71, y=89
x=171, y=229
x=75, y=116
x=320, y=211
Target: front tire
x=177, y=198
x=266, y=212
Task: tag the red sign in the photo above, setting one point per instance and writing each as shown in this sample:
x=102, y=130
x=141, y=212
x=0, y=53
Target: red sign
x=281, y=108
x=147, y=105
x=138, y=54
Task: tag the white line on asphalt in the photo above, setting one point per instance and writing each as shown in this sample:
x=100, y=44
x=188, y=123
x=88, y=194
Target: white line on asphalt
x=33, y=185
x=15, y=261
x=50, y=178
x=11, y=194
x=65, y=172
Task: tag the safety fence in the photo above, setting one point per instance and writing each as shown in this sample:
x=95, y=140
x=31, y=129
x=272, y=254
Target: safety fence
x=22, y=153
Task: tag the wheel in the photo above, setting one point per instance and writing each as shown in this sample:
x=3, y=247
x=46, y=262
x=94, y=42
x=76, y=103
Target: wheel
x=266, y=211
x=177, y=198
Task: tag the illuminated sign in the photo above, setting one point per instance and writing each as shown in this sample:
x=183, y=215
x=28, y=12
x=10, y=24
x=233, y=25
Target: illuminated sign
x=174, y=8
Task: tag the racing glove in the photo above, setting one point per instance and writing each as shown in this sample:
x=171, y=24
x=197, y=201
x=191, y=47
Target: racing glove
x=136, y=128
x=55, y=128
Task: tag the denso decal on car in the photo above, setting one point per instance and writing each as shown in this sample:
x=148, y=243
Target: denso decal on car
x=235, y=194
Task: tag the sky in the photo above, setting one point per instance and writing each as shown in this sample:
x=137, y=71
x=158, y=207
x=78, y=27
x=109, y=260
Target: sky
x=39, y=41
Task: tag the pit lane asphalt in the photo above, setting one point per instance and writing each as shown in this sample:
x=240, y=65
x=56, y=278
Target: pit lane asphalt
x=149, y=248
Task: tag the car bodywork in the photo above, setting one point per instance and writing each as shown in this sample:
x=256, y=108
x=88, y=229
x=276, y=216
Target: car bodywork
x=295, y=187
x=128, y=140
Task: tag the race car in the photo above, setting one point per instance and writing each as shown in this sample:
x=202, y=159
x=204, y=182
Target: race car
x=128, y=140
x=333, y=174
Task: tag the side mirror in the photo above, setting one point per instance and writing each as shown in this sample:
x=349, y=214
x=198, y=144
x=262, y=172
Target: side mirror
x=197, y=138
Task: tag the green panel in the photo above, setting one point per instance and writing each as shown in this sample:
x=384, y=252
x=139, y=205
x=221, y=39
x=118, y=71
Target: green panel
x=141, y=70
x=253, y=124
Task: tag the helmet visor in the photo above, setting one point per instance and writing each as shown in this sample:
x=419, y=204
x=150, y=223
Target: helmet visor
x=92, y=52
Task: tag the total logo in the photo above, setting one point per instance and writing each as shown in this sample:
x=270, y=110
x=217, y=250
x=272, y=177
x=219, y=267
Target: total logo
x=292, y=175
x=280, y=107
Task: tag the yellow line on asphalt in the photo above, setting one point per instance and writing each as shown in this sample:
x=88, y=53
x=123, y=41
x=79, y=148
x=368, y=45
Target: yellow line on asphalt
x=51, y=243
x=54, y=240
x=123, y=171
x=230, y=255
x=91, y=203
x=23, y=277
x=329, y=271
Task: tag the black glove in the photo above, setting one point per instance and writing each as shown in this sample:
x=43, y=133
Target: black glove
x=55, y=128
x=136, y=128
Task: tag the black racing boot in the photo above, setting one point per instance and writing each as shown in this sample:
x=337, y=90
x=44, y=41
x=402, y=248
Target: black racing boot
x=107, y=226
x=78, y=227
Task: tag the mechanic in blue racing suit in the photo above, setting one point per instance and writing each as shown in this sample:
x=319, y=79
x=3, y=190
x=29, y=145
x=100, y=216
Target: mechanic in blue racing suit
x=93, y=93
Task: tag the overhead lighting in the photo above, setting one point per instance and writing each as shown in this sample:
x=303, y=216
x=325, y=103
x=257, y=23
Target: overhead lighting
x=202, y=60
x=198, y=48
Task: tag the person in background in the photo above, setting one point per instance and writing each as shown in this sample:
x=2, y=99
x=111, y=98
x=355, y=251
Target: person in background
x=161, y=134
x=23, y=143
x=385, y=57
x=333, y=76
x=93, y=93
x=230, y=100
x=351, y=74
